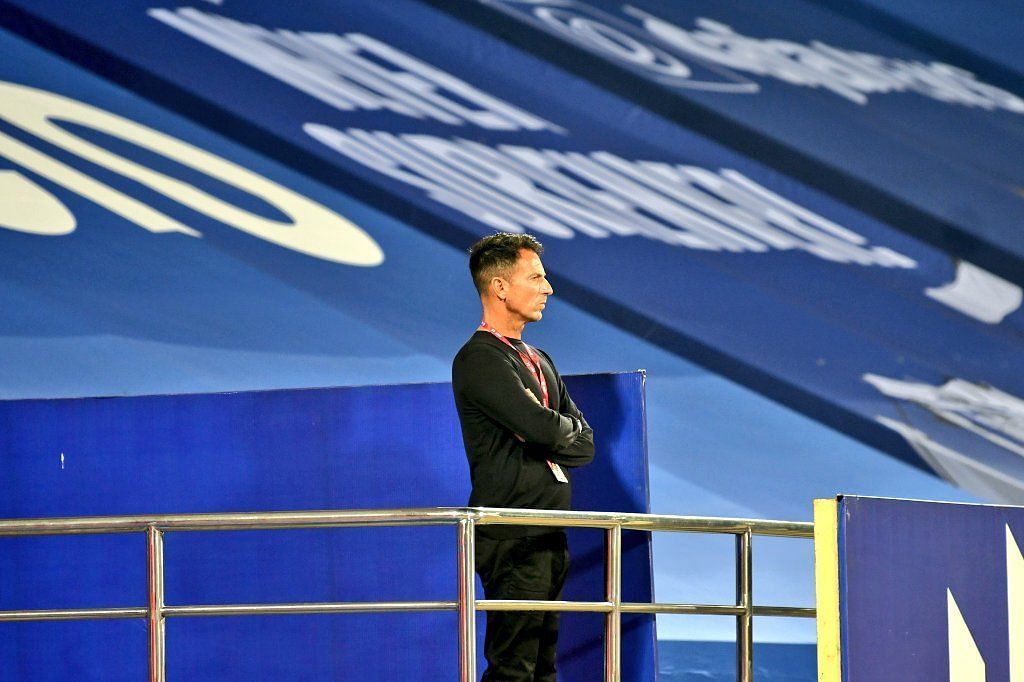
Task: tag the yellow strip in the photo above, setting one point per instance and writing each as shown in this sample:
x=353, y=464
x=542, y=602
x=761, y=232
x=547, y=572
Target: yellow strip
x=1015, y=605
x=826, y=588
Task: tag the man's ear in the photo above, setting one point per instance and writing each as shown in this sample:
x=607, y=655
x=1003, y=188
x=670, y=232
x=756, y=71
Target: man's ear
x=499, y=287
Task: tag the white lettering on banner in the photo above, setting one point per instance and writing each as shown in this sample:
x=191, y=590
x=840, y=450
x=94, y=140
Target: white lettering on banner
x=850, y=74
x=978, y=293
x=313, y=229
x=599, y=195
x=978, y=408
x=354, y=71
x=995, y=415
x=659, y=48
x=27, y=207
x=965, y=661
x=615, y=42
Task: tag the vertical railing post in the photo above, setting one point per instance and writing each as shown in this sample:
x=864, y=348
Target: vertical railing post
x=467, y=600
x=155, y=617
x=744, y=599
x=613, y=594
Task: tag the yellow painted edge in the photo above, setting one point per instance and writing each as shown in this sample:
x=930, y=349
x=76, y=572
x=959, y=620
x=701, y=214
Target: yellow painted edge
x=826, y=589
x=1015, y=605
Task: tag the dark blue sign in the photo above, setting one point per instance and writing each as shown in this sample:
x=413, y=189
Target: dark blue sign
x=930, y=591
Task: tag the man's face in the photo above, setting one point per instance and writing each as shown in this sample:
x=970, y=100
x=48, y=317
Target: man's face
x=528, y=287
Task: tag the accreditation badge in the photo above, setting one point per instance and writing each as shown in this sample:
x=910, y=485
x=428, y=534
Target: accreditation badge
x=557, y=471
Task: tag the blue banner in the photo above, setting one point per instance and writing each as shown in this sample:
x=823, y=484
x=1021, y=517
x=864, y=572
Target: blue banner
x=926, y=144
x=983, y=34
x=654, y=228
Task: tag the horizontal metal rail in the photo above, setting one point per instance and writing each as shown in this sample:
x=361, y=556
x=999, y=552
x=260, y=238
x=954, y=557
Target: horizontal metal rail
x=312, y=607
x=466, y=518
x=399, y=517
x=74, y=614
x=398, y=606
x=93, y=525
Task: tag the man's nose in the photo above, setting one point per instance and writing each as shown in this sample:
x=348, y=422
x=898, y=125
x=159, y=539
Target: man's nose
x=547, y=288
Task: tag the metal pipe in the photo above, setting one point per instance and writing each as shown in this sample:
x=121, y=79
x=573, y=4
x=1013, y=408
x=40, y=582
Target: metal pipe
x=717, y=610
x=786, y=611
x=73, y=614
x=744, y=599
x=155, y=615
x=684, y=609
x=467, y=600
x=543, y=605
x=400, y=606
x=645, y=522
x=399, y=517
x=306, y=608
x=233, y=521
x=613, y=594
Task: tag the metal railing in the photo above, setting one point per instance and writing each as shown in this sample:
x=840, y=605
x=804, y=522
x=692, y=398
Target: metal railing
x=465, y=519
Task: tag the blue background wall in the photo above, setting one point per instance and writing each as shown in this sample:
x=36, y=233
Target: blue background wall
x=371, y=447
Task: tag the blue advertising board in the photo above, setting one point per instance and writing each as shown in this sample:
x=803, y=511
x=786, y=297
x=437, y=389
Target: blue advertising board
x=383, y=447
x=660, y=231
x=926, y=590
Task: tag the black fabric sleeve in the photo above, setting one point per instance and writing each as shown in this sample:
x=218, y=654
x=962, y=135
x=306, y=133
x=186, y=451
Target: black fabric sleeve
x=493, y=384
x=581, y=450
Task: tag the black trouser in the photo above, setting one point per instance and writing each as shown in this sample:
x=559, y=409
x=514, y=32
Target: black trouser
x=520, y=645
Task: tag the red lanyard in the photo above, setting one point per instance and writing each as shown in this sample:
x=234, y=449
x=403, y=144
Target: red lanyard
x=530, y=359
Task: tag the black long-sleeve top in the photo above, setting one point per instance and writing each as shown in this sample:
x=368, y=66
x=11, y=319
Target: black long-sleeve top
x=490, y=383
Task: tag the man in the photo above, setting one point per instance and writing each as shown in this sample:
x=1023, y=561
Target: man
x=522, y=434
